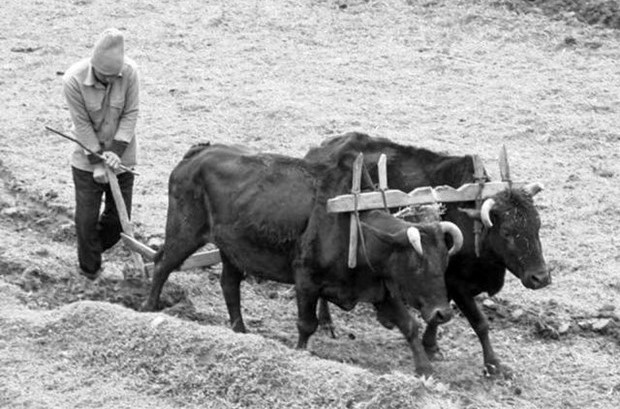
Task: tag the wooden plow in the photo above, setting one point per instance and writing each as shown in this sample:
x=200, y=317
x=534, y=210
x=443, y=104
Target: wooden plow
x=359, y=201
x=140, y=251
x=200, y=259
x=125, y=223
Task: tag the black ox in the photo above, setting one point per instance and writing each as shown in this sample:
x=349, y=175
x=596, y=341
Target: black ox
x=509, y=238
x=267, y=215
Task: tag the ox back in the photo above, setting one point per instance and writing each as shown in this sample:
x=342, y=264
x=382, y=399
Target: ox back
x=267, y=215
x=511, y=243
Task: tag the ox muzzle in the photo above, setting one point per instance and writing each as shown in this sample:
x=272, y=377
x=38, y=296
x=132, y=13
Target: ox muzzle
x=439, y=315
x=537, y=278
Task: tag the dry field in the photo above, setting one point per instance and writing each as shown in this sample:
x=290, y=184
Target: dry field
x=463, y=76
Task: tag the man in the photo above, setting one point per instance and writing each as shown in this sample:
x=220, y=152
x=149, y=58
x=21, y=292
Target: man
x=102, y=93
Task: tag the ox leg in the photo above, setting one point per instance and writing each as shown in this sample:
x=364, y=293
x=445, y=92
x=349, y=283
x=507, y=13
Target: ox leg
x=186, y=229
x=230, y=282
x=480, y=325
x=307, y=299
x=392, y=311
x=174, y=253
x=173, y=257
x=325, y=318
x=307, y=321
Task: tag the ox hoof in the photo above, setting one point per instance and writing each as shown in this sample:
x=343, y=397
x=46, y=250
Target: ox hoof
x=328, y=328
x=424, y=370
x=239, y=327
x=497, y=371
x=433, y=353
x=147, y=307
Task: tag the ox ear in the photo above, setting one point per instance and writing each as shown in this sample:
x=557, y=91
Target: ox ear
x=399, y=238
x=533, y=188
x=471, y=213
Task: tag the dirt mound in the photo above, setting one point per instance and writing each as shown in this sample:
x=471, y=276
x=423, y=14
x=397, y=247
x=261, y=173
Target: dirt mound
x=169, y=360
x=601, y=12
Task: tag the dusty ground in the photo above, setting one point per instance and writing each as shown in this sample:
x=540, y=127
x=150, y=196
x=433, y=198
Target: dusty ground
x=458, y=76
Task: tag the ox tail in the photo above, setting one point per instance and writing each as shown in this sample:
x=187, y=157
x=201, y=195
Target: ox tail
x=195, y=149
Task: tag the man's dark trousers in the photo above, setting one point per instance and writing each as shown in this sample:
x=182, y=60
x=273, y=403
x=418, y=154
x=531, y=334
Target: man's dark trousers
x=97, y=232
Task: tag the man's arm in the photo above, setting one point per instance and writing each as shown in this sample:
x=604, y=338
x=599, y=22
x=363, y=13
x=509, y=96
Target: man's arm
x=83, y=127
x=129, y=117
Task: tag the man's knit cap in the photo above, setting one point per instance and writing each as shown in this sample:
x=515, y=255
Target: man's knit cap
x=109, y=51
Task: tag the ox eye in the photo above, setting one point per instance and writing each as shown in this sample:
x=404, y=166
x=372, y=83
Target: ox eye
x=506, y=233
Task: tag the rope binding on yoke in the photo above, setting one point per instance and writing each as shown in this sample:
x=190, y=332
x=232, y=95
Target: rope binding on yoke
x=480, y=179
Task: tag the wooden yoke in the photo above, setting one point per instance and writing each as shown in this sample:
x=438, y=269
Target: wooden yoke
x=504, y=168
x=422, y=195
x=124, y=217
x=391, y=198
x=355, y=191
x=382, y=168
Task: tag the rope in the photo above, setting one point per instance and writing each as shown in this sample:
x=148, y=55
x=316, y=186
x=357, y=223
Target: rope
x=369, y=183
x=360, y=232
x=385, y=206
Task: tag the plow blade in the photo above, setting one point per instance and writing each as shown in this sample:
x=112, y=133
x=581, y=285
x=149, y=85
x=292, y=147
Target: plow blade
x=144, y=250
x=200, y=259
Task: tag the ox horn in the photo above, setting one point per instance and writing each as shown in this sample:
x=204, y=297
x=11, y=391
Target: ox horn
x=485, y=212
x=533, y=188
x=455, y=233
x=413, y=235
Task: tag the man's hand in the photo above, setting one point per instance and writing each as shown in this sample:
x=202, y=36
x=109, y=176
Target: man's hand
x=99, y=174
x=112, y=160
